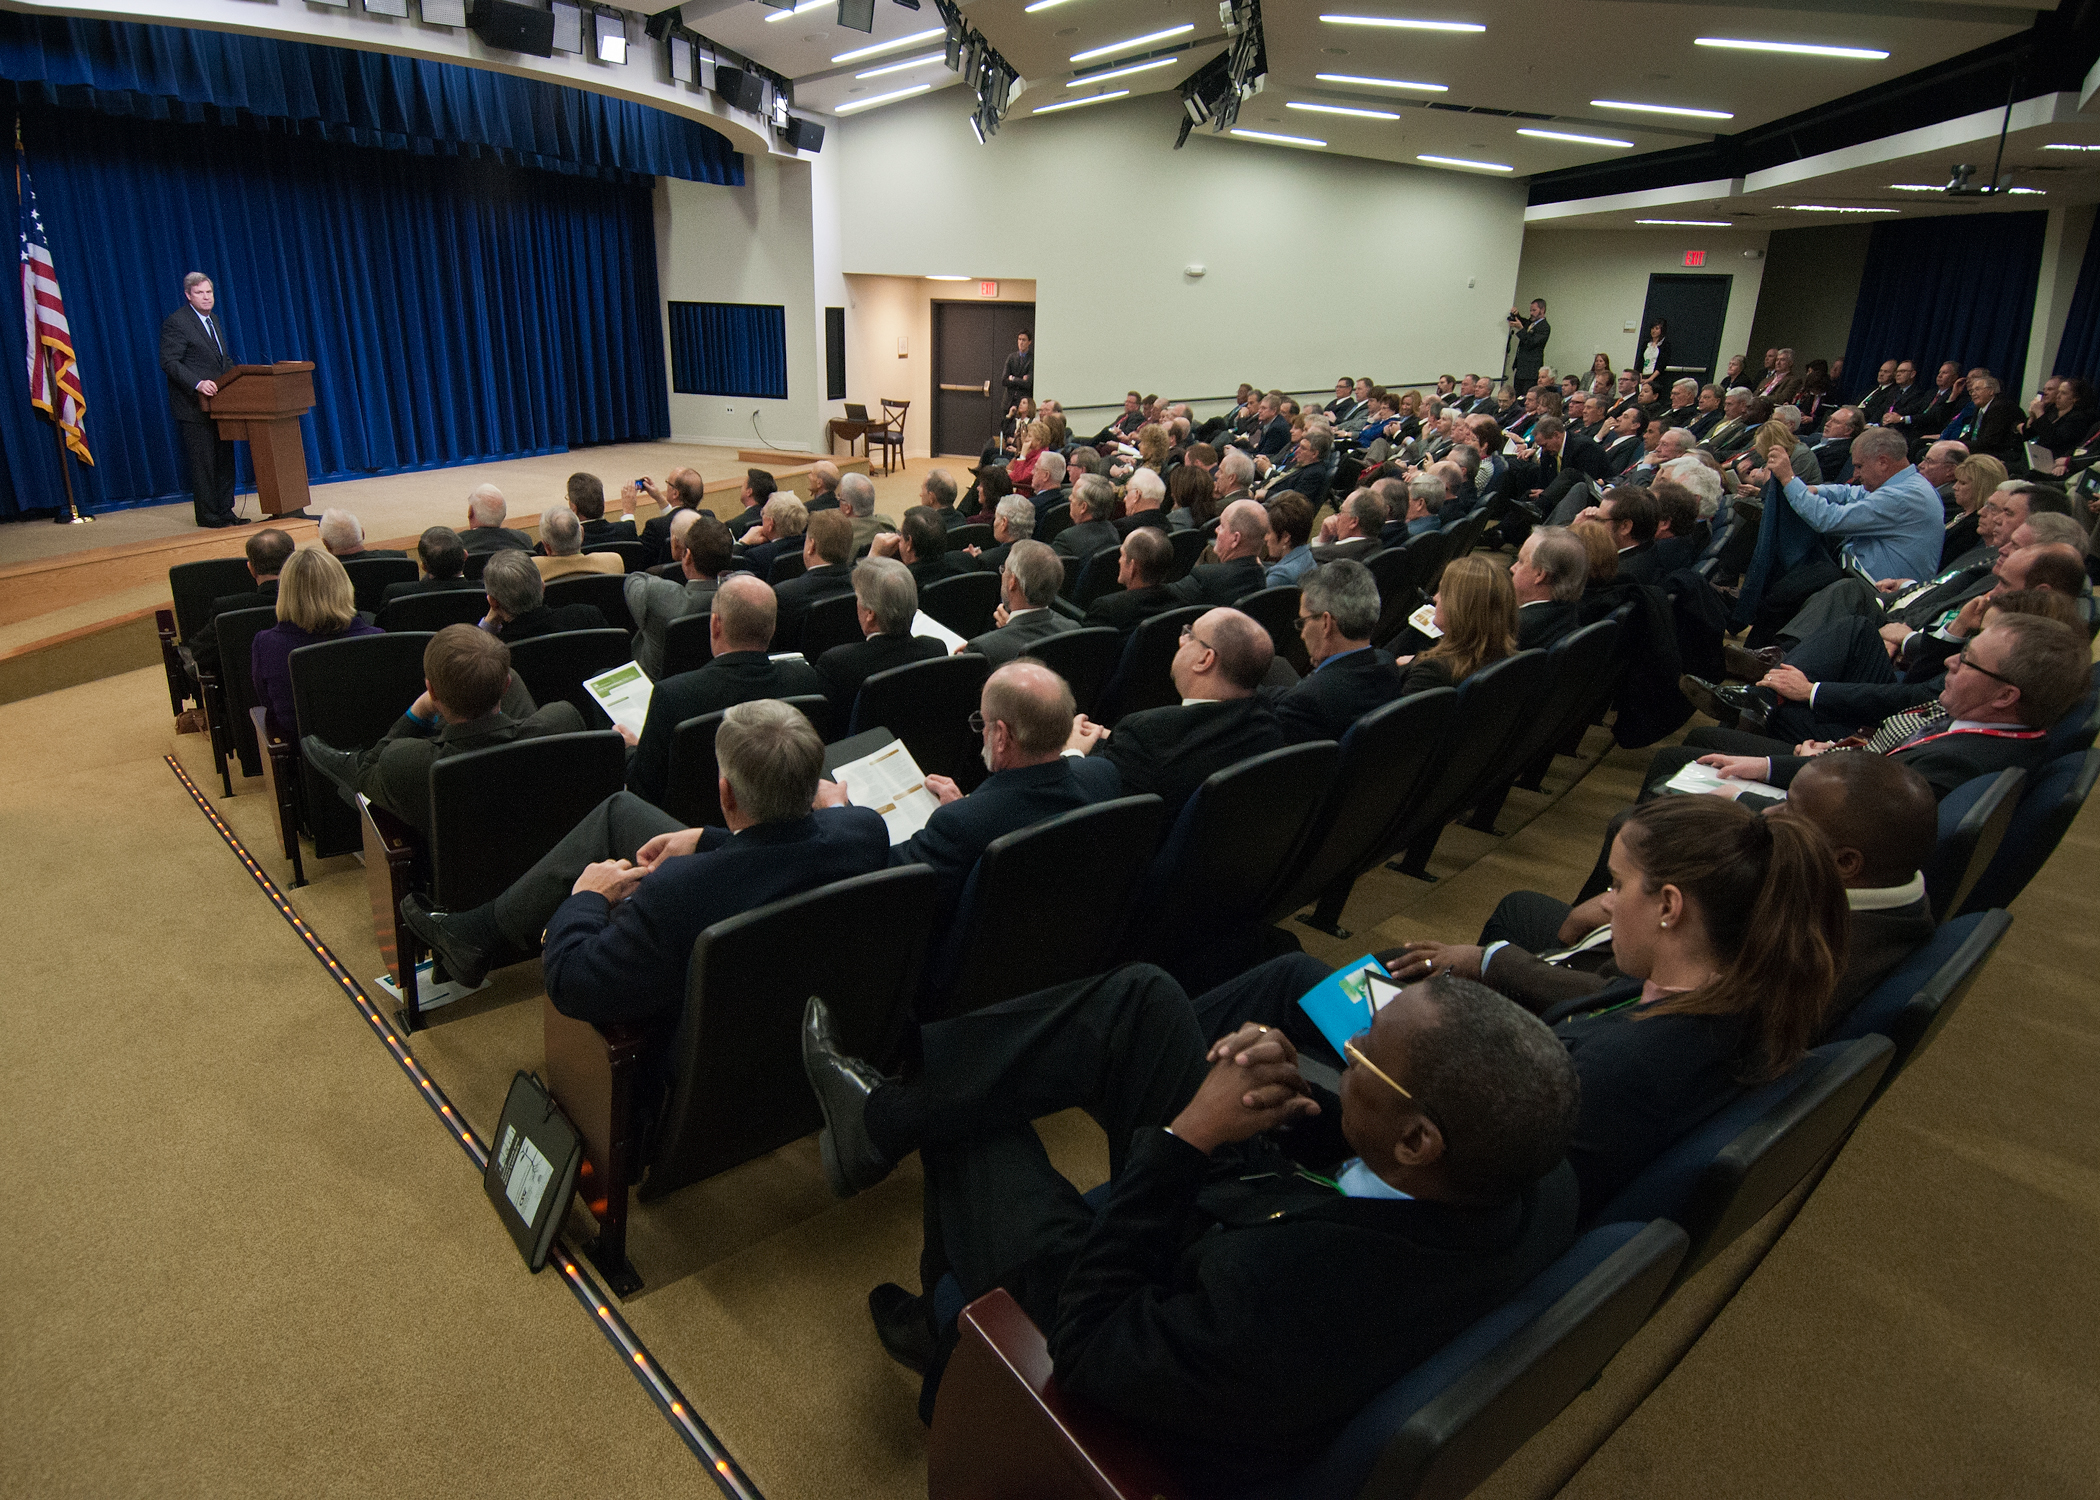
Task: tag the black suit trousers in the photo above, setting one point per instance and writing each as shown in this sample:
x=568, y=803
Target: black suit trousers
x=615, y=829
x=211, y=470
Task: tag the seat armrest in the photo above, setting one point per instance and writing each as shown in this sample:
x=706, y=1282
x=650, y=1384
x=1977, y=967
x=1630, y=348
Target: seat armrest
x=280, y=769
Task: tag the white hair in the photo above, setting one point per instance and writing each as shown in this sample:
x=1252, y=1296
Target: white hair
x=341, y=531
x=560, y=532
x=856, y=494
x=1147, y=485
x=486, y=506
x=1698, y=478
x=1790, y=415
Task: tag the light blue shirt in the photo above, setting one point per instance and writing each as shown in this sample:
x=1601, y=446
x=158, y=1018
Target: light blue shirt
x=1358, y=1181
x=1895, y=532
x=1292, y=566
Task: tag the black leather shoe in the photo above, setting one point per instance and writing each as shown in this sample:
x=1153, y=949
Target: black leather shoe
x=336, y=765
x=1751, y=666
x=852, y=1163
x=904, y=1323
x=1706, y=697
x=464, y=960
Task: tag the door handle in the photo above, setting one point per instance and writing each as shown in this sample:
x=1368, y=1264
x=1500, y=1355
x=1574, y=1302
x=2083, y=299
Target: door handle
x=974, y=390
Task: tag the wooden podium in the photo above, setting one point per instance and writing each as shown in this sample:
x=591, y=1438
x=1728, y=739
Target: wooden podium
x=261, y=405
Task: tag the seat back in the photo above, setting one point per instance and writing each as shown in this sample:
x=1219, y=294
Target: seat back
x=1276, y=611
x=687, y=644
x=476, y=563
x=2039, y=823
x=964, y=603
x=1913, y=1002
x=830, y=622
x=1054, y=519
x=1094, y=577
x=692, y=790
x=1973, y=820
x=928, y=704
x=2076, y=730
x=970, y=534
x=1085, y=658
x=788, y=565
x=238, y=629
x=1493, y=708
x=1004, y=942
x=1731, y=1171
x=1463, y=536
x=1404, y=580
x=1144, y=678
x=553, y=667
x=1188, y=546
x=194, y=585
x=349, y=692
x=1575, y=665
x=428, y=613
x=478, y=843
x=740, y=1090
x=606, y=590
x=634, y=555
x=369, y=577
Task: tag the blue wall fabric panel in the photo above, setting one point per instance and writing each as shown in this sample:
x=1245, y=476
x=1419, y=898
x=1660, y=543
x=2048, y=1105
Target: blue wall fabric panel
x=729, y=349
x=1948, y=288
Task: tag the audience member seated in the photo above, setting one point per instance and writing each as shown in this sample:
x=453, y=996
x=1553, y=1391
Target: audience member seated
x=1049, y=478
x=314, y=603
x=344, y=536
x=778, y=534
x=1353, y=531
x=682, y=489
x=823, y=488
x=1287, y=552
x=1233, y=481
x=1220, y=721
x=700, y=547
x=937, y=492
x=759, y=487
x=827, y=567
x=1633, y=517
x=1245, y=1289
x=857, y=500
x=1307, y=473
x=1192, y=492
x=1547, y=580
x=470, y=701
x=485, y=531
x=1013, y=521
x=622, y=898
x=1993, y=424
x=443, y=559
x=1476, y=622
x=1147, y=557
x=740, y=626
x=561, y=542
x=921, y=544
x=888, y=599
x=267, y=551
x=1243, y=532
x=1093, y=502
x=518, y=607
x=1145, y=496
x=1034, y=443
x=1337, y=609
x=1028, y=580
x=586, y=495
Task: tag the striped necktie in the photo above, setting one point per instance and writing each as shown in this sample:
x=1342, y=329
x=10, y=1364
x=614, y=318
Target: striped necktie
x=1899, y=729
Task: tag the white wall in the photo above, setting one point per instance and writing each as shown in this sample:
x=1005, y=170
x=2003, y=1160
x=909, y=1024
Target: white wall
x=1595, y=282
x=880, y=310
x=1317, y=264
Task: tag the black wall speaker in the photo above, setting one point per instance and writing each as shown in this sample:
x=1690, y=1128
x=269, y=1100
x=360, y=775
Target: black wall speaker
x=514, y=27
x=744, y=90
x=803, y=135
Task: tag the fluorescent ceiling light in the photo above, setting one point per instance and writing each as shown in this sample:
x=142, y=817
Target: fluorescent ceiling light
x=1916, y=187
x=2030, y=192
x=1137, y=41
x=1403, y=23
x=1692, y=223
x=1383, y=83
x=1342, y=109
x=950, y=278
x=899, y=67
x=1076, y=103
x=847, y=109
x=1281, y=140
x=1825, y=208
x=1460, y=161
x=1795, y=49
x=2068, y=146
x=1156, y=62
x=804, y=7
x=1029, y=10
x=1580, y=140
x=881, y=47
x=1662, y=109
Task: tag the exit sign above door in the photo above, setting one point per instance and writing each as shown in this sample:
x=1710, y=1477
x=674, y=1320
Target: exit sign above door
x=987, y=288
x=1695, y=257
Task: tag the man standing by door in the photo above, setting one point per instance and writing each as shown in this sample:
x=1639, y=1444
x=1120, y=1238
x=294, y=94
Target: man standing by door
x=193, y=354
x=1020, y=372
x=1532, y=333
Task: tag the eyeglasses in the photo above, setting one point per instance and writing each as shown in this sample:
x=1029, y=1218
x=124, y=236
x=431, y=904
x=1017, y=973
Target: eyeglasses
x=1963, y=657
x=1356, y=1055
x=1305, y=619
x=978, y=721
x=1188, y=633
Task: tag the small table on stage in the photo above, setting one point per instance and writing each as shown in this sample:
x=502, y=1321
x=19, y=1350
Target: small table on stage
x=851, y=431
x=261, y=405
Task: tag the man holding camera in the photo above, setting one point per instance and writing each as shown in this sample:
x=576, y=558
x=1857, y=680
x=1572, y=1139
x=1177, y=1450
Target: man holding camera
x=1532, y=333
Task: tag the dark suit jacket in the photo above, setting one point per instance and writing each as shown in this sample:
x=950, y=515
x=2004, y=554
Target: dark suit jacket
x=552, y=619
x=1274, y=438
x=597, y=533
x=427, y=586
x=1622, y=455
x=989, y=560
x=1153, y=516
x=395, y=773
x=364, y=552
x=1997, y=433
x=1578, y=452
x=1014, y=638
x=1638, y=564
x=1130, y=608
x=656, y=536
x=1078, y=543
x=1220, y=583
x=1174, y=750
x=950, y=518
x=480, y=539
x=1541, y=624
x=796, y=596
x=204, y=646
x=933, y=569
x=1334, y=695
x=188, y=355
x=959, y=832
x=845, y=668
x=1961, y=536
x=1946, y=762
x=731, y=678
x=628, y=962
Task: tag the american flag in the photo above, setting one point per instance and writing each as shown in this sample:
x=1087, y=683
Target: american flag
x=54, y=374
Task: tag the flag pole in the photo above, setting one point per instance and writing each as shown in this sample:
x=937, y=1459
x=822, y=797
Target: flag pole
x=69, y=513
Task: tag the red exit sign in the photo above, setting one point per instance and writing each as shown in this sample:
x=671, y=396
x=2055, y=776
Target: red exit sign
x=987, y=288
x=1695, y=257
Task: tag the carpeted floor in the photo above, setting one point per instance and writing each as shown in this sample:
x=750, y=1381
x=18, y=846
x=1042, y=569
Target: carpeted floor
x=250, y=1261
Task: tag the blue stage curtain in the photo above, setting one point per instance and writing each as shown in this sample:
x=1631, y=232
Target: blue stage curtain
x=1948, y=288
x=729, y=349
x=2079, y=351
x=177, y=74
x=456, y=310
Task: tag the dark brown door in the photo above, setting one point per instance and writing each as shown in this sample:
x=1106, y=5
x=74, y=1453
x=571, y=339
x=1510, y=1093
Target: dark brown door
x=970, y=343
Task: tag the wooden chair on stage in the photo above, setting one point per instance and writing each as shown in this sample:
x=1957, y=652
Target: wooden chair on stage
x=888, y=434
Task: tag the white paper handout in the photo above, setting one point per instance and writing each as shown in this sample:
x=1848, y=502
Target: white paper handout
x=624, y=695
x=889, y=781
x=1424, y=620
x=1697, y=778
x=924, y=624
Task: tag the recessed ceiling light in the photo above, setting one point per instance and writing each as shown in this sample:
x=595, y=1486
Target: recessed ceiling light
x=899, y=67
x=1076, y=103
x=1123, y=72
x=1580, y=140
x=1692, y=223
x=1137, y=41
x=1383, y=83
x=1341, y=109
x=1460, y=161
x=1826, y=208
x=873, y=100
x=1403, y=23
x=1662, y=109
x=891, y=46
x=1795, y=49
x=1281, y=140
x=2068, y=146
x=802, y=9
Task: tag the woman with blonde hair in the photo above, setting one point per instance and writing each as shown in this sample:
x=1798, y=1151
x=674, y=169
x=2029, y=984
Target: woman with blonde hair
x=1035, y=437
x=1750, y=463
x=1153, y=446
x=1476, y=617
x=1602, y=553
x=314, y=603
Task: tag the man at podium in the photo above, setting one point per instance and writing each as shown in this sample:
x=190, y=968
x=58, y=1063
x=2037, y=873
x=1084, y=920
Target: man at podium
x=193, y=355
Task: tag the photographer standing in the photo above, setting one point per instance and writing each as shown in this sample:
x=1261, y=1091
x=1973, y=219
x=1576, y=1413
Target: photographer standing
x=1532, y=333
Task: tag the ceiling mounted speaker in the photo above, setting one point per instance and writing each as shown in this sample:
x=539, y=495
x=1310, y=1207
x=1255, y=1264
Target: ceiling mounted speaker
x=514, y=27
x=744, y=90
x=803, y=135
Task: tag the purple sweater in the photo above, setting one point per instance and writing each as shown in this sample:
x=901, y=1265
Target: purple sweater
x=271, y=659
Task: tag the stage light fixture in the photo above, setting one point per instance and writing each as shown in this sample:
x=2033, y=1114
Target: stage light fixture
x=609, y=30
x=568, y=25
x=685, y=63
x=396, y=8
x=444, y=12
